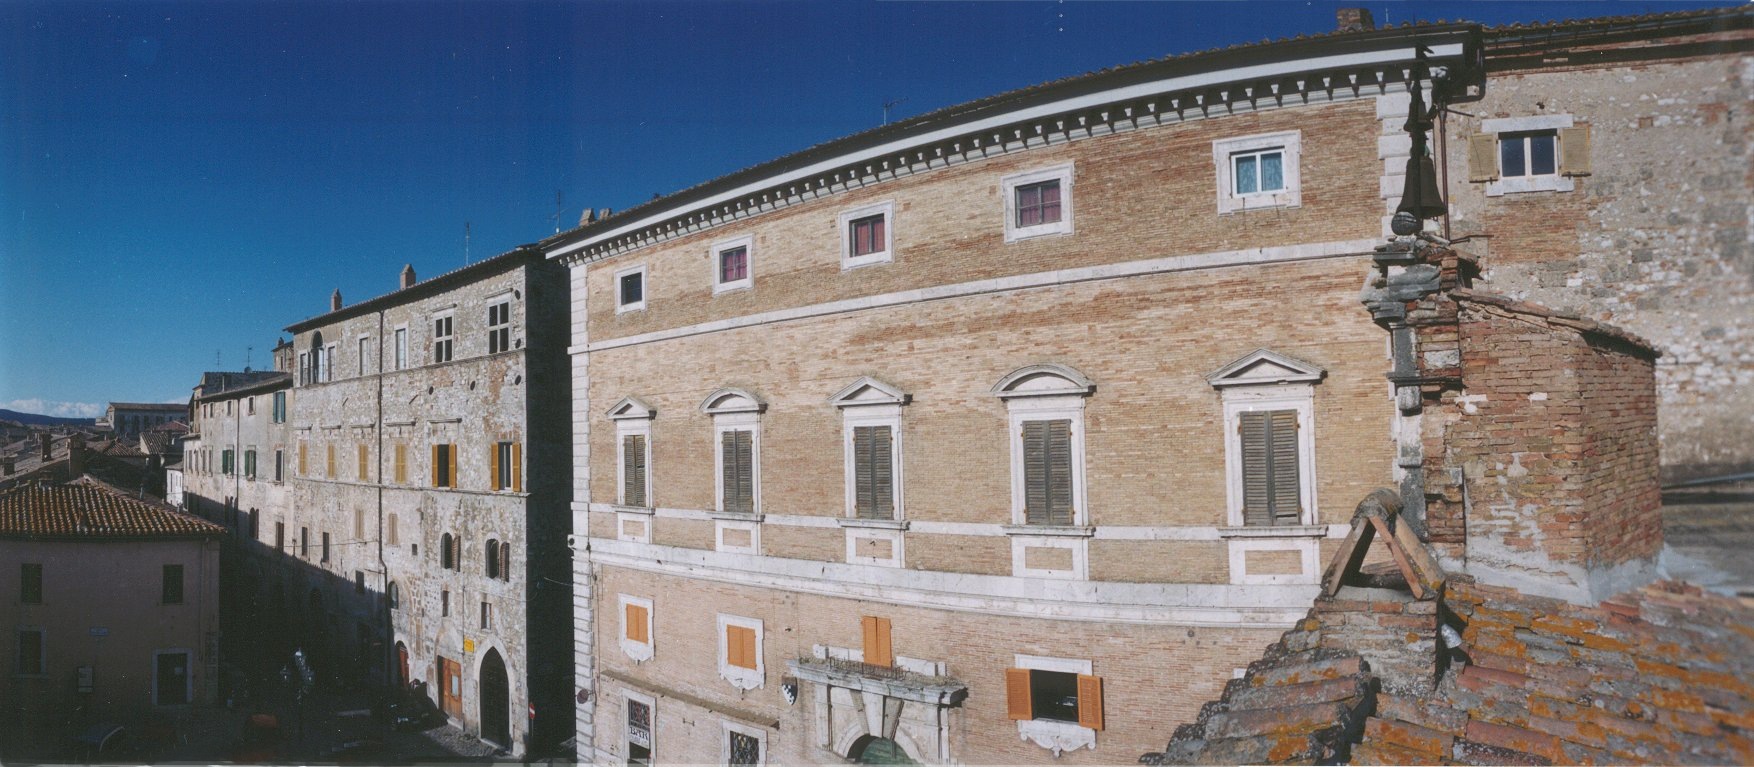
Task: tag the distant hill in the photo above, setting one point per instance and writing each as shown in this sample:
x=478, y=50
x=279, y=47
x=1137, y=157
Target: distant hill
x=32, y=419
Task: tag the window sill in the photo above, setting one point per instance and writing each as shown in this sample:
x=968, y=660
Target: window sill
x=646, y=510
x=1065, y=531
x=1056, y=736
x=733, y=287
x=736, y=516
x=1281, y=531
x=848, y=263
x=876, y=524
x=1521, y=184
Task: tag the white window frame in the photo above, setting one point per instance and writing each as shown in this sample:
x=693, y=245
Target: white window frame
x=400, y=335
x=886, y=209
x=632, y=417
x=645, y=289
x=735, y=410
x=1556, y=181
x=747, y=243
x=739, y=677
x=640, y=652
x=1052, y=734
x=1008, y=188
x=328, y=365
x=1243, y=399
x=1047, y=393
x=1223, y=150
x=651, y=705
x=432, y=322
x=869, y=402
x=760, y=735
x=363, y=340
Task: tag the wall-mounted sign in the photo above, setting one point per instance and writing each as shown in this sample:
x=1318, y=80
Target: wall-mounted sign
x=87, y=678
x=100, y=631
x=468, y=645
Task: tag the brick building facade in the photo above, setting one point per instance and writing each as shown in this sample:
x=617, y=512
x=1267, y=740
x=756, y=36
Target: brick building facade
x=907, y=444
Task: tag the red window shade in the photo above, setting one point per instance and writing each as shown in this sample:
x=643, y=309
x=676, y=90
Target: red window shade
x=733, y=264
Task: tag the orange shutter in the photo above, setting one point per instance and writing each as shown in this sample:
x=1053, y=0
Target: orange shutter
x=435, y=466
x=401, y=464
x=740, y=646
x=330, y=462
x=1017, y=702
x=364, y=463
x=302, y=469
x=636, y=624
x=493, y=465
x=453, y=465
x=517, y=467
x=1090, y=701
x=878, y=651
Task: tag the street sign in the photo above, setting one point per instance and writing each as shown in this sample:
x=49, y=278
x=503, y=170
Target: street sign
x=100, y=631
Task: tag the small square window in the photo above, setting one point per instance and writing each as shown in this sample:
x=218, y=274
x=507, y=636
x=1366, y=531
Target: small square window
x=1259, y=171
x=867, y=235
x=443, y=339
x=1053, y=695
x=1529, y=153
x=499, y=326
x=733, y=267
x=630, y=289
x=1038, y=203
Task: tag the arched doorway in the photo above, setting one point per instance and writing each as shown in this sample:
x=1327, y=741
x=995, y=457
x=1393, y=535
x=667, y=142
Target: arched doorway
x=401, y=664
x=495, y=700
x=874, y=750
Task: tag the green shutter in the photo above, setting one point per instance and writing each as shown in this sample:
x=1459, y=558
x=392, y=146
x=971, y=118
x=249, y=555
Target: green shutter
x=633, y=459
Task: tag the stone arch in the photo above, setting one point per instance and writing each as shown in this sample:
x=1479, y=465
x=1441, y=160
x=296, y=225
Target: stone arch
x=848, y=741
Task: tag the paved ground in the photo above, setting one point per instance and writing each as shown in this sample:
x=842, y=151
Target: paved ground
x=1709, y=536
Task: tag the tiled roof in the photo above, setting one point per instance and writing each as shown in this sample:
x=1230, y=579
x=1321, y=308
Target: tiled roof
x=89, y=509
x=155, y=406
x=220, y=381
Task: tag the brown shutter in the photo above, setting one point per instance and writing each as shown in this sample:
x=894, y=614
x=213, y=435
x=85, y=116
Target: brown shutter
x=633, y=461
x=435, y=467
x=517, y=467
x=1059, y=471
x=454, y=463
x=740, y=646
x=1256, y=479
x=1287, y=500
x=330, y=461
x=493, y=465
x=303, y=469
x=739, y=472
x=1574, y=151
x=878, y=651
x=863, y=504
x=728, y=468
x=1483, y=157
x=364, y=463
x=401, y=464
x=1090, y=701
x=882, y=475
x=636, y=624
x=1035, y=479
x=1017, y=702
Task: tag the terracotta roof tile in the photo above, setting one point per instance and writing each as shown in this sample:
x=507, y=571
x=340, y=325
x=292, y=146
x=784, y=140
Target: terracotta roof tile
x=87, y=508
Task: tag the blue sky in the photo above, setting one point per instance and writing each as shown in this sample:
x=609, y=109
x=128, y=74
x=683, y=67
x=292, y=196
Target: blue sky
x=178, y=181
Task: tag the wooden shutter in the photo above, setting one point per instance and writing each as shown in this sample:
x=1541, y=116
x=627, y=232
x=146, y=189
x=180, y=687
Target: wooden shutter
x=303, y=469
x=453, y=462
x=1090, y=701
x=1017, y=702
x=873, y=473
x=633, y=464
x=1483, y=157
x=364, y=463
x=1047, y=472
x=329, y=462
x=1059, y=471
x=435, y=466
x=740, y=646
x=878, y=651
x=493, y=465
x=636, y=624
x=1271, y=490
x=1574, y=151
x=401, y=464
x=738, y=472
x=517, y=467
x=1035, y=481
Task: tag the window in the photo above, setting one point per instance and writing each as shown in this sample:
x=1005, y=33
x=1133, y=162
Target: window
x=255, y=524
x=329, y=362
x=401, y=345
x=329, y=462
x=1046, y=404
x=359, y=524
x=393, y=596
x=636, y=627
x=1054, y=701
x=865, y=235
x=1541, y=153
x=364, y=355
x=737, y=470
x=871, y=426
x=227, y=465
x=173, y=585
x=364, y=463
x=486, y=615
x=250, y=463
x=633, y=430
x=30, y=583
x=359, y=581
x=491, y=558
x=744, y=745
x=740, y=661
x=279, y=464
x=304, y=373
x=445, y=603
x=325, y=547
x=31, y=656
x=506, y=466
x=630, y=289
x=1270, y=475
x=304, y=541
x=303, y=465
x=1047, y=471
x=442, y=339
x=447, y=558
x=1259, y=171
x=639, y=728
x=505, y=560
x=878, y=649
x=1268, y=401
x=250, y=405
x=1038, y=203
x=499, y=326
x=280, y=536
x=401, y=464
x=444, y=465
x=390, y=532
x=732, y=269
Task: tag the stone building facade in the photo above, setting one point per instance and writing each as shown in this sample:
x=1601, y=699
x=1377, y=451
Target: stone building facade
x=909, y=443
x=428, y=477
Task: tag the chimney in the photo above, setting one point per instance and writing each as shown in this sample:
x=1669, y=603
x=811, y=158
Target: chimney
x=44, y=439
x=75, y=455
x=335, y=301
x=602, y=214
x=1354, y=20
x=6, y=465
x=407, y=276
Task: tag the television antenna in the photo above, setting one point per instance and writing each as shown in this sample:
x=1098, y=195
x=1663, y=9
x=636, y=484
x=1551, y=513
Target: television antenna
x=888, y=104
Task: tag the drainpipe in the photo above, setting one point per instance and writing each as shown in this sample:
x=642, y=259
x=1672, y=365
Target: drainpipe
x=389, y=629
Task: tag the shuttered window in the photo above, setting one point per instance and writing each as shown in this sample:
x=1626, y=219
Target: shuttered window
x=364, y=463
x=1270, y=483
x=878, y=650
x=636, y=624
x=740, y=649
x=401, y=464
x=738, y=470
x=873, y=472
x=303, y=465
x=1054, y=696
x=633, y=470
x=1047, y=472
